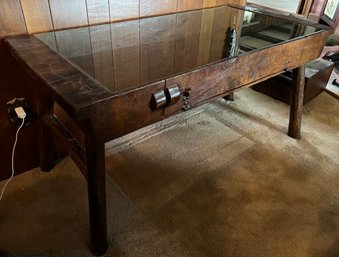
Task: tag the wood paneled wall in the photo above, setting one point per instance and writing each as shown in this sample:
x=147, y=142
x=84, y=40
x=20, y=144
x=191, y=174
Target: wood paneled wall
x=31, y=16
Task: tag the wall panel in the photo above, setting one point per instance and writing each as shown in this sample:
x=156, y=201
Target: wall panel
x=37, y=15
x=98, y=11
x=66, y=13
x=238, y=2
x=152, y=7
x=11, y=18
x=124, y=9
x=184, y=5
x=209, y=3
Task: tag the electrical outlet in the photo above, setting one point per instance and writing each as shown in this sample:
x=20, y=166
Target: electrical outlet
x=19, y=102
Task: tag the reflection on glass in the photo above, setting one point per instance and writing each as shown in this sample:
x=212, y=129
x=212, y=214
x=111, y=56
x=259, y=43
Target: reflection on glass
x=128, y=54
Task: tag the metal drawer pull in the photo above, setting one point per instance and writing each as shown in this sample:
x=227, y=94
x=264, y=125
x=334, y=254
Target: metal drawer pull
x=158, y=100
x=165, y=97
x=172, y=94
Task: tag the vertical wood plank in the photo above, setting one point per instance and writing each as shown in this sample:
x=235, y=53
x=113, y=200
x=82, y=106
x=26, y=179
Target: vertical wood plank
x=37, y=15
x=184, y=5
x=102, y=55
x=157, y=47
x=238, y=2
x=67, y=14
x=124, y=9
x=209, y=3
x=221, y=2
x=98, y=11
x=187, y=40
x=11, y=18
x=126, y=54
x=153, y=7
x=205, y=36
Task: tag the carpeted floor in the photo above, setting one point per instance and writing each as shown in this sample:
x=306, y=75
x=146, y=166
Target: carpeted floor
x=221, y=180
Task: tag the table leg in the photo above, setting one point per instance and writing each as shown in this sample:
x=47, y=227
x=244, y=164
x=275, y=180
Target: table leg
x=47, y=148
x=297, y=98
x=95, y=155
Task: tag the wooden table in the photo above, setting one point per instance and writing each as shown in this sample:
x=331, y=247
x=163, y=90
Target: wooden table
x=113, y=79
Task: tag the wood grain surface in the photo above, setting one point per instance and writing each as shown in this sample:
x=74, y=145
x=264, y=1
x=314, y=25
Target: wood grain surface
x=67, y=14
x=153, y=7
x=238, y=2
x=98, y=11
x=121, y=10
x=297, y=96
x=128, y=112
x=12, y=21
x=37, y=15
x=184, y=5
x=209, y=3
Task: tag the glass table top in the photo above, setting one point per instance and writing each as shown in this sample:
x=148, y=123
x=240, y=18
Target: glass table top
x=125, y=55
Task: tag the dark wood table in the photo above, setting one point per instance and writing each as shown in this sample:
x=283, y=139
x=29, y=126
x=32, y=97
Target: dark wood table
x=112, y=79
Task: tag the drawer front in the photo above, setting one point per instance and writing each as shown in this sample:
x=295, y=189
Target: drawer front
x=217, y=79
x=127, y=112
x=202, y=85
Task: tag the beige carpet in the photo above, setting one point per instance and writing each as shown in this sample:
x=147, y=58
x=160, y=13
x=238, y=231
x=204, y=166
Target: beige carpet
x=222, y=180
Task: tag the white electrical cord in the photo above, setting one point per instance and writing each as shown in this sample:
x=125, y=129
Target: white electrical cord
x=13, y=151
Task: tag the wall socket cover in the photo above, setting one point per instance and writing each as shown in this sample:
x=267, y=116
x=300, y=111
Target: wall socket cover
x=19, y=102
